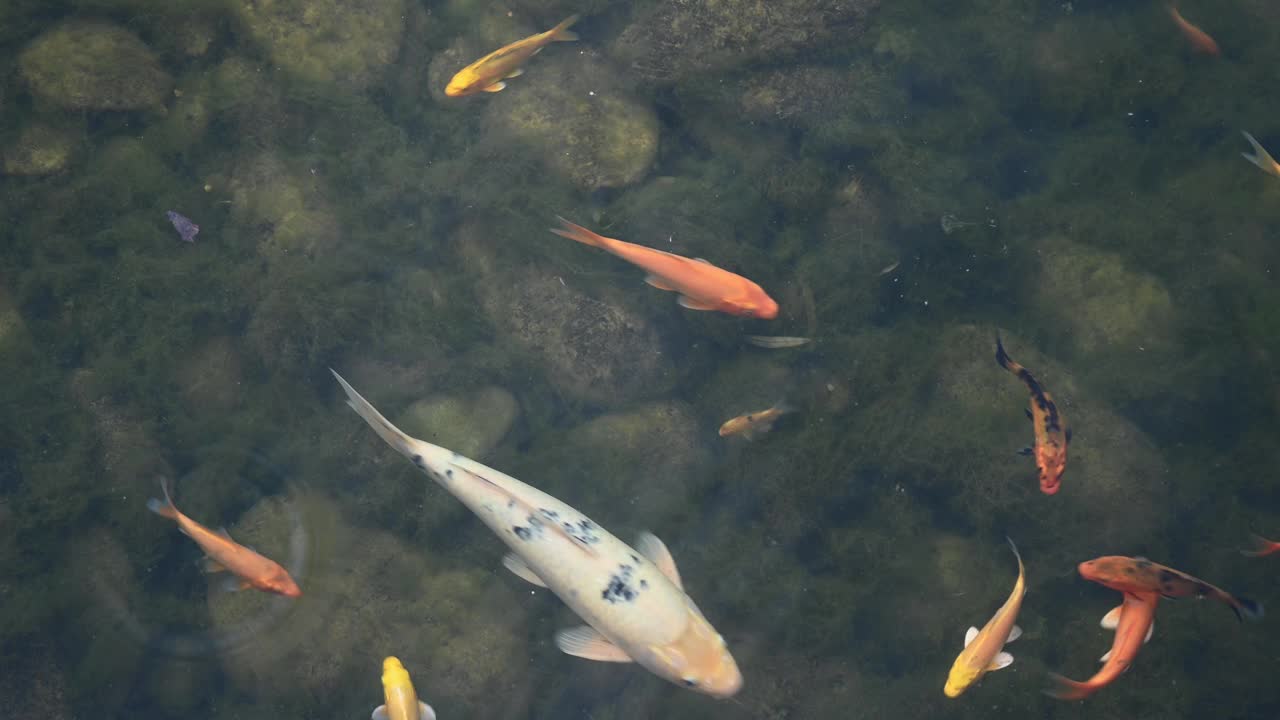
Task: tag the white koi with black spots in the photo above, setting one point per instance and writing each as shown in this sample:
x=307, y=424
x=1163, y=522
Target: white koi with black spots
x=632, y=599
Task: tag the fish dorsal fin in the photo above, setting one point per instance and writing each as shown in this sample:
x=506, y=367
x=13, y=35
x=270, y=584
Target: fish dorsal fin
x=1000, y=661
x=521, y=569
x=969, y=635
x=689, y=303
x=658, y=282
x=585, y=642
x=1150, y=629
x=555, y=527
x=1014, y=634
x=651, y=547
x=1112, y=618
x=496, y=87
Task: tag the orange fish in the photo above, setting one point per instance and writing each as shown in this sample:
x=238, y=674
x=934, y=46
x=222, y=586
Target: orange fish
x=1262, y=547
x=702, y=286
x=1199, y=39
x=223, y=553
x=1133, y=622
x=751, y=424
x=488, y=73
x=1140, y=575
x=1051, y=433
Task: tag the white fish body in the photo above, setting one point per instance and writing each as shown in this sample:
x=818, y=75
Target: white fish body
x=632, y=599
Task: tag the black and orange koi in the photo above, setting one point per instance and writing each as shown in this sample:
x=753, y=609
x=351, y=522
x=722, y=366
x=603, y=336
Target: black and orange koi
x=1051, y=432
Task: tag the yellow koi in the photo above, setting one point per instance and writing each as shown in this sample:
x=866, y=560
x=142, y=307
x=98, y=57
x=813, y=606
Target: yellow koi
x=402, y=701
x=984, y=649
x=488, y=73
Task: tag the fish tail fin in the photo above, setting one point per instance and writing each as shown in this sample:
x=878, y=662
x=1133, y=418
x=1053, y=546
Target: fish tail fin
x=1003, y=358
x=782, y=407
x=1246, y=609
x=164, y=508
x=1261, y=547
x=561, y=32
x=387, y=431
x=1260, y=156
x=1064, y=688
x=579, y=233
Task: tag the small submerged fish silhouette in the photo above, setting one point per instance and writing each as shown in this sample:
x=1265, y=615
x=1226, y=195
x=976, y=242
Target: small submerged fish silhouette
x=776, y=342
x=950, y=223
x=187, y=230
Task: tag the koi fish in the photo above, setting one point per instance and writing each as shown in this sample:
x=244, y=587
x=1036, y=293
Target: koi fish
x=632, y=600
x=1261, y=547
x=1199, y=39
x=752, y=424
x=1133, y=621
x=1260, y=156
x=223, y=553
x=402, y=701
x=702, y=286
x=984, y=649
x=1051, y=434
x=488, y=73
x=1140, y=575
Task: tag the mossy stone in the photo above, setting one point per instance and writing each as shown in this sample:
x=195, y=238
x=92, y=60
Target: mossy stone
x=40, y=150
x=470, y=424
x=94, y=66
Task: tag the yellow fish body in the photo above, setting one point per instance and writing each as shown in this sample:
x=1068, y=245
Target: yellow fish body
x=751, y=424
x=402, y=702
x=984, y=649
x=488, y=73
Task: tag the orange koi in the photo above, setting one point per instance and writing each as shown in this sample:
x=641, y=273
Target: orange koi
x=1052, y=436
x=1199, y=39
x=1140, y=575
x=488, y=73
x=751, y=424
x=702, y=286
x=223, y=553
x=1133, y=621
x=1262, y=547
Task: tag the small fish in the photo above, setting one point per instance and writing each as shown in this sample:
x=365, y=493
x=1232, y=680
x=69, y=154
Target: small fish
x=187, y=230
x=223, y=553
x=777, y=342
x=752, y=424
x=984, y=649
x=889, y=268
x=488, y=73
x=702, y=286
x=1051, y=434
x=1140, y=575
x=1133, y=622
x=632, y=600
x=1262, y=547
x=1260, y=156
x=950, y=223
x=402, y=701
x=1199, y=39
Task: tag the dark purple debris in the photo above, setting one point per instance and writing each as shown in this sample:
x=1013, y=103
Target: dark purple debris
x=183, y=225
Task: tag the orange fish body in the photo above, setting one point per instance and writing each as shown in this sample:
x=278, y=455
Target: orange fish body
x=1052, y=436
x=1133, y=622
x=1140, y=575
x=1262, y=547
x=488, y=73
x=1199, y=39
x=702, y=286
x=750, y=424
x=223, y=553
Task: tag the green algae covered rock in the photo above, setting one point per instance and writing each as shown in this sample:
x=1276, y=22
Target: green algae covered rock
x=40, y=150
x=470, y=424
x=843, y=106
x=94, y=66
x=572, y=109
x=328, y=42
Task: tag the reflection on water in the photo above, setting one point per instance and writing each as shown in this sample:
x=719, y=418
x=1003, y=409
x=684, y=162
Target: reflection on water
x=904, y=180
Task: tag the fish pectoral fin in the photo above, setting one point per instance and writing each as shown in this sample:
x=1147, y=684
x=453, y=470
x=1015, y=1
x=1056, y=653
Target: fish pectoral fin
x=1002, y=660
x=586, y=642
x=1027, y=451
x=969, y=635
x=1028, y=412
x=1105, y=656
x=1150, y=629
x=651, y=547
x=689, y=303
x=515, y=73
x=235, y=584
x=496, y=87
x=380, y=713
x=1112, y=618
x=704, y=261
x=425, y=712
x=521, y=569
x=1014, y=634
x=1067, y=434
x=222, y=533
x=210, y=565
x=658, y=282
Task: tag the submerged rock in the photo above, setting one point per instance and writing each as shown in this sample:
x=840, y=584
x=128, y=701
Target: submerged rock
x=40, y=150
x=94, y=66
x=469, y=424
